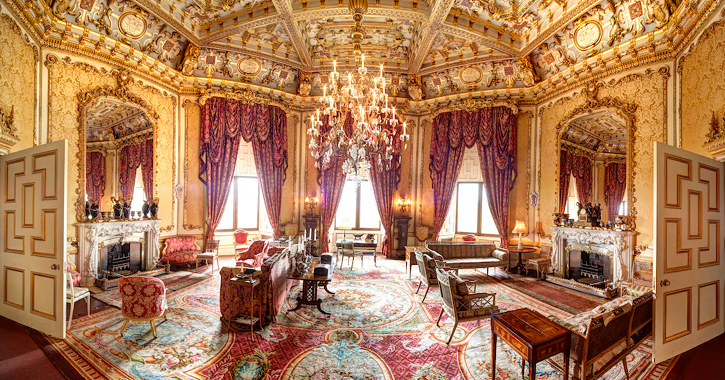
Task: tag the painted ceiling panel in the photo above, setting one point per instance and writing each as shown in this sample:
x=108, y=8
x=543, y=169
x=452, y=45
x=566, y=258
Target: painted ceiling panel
x=110, y=120
x=603, y=132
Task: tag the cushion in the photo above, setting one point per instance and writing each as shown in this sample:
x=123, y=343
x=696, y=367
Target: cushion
x=460, y=285
x=469, y=238
x=76, y=276
x=181, y=243
x=480, y=262
x=179, y=257
x=142, y=297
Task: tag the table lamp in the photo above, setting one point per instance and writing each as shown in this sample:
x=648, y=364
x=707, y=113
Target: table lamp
x=344, y=225
x=520, y=229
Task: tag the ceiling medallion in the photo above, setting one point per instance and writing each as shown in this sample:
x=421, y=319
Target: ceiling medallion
x=588, y=34
x=470, y=75
x=249, y=66
x=373, y=136
x=132, y=25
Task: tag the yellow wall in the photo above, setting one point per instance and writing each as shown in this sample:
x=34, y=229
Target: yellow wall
x=17, y=81
x=703, y=88
x=646, y=90
x=519, y=197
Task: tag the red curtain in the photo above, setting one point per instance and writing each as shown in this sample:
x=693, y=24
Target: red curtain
x=224, y=123
x=384, y=181
x=129, y=161
x=497, y=153
x=581, y=168
x=493, y=130
x=147, y=168
x=615, y=184
x=331, y=179
x=95, y=176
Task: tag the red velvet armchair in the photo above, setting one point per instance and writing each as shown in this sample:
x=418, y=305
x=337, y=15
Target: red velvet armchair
x=142, y=299
x=240, y=242
x=254, y=255
x=180, y=250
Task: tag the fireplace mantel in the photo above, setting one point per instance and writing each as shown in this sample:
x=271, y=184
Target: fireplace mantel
x=90, y=233
x=620, y=243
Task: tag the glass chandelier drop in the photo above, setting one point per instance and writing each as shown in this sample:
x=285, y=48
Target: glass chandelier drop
x=373, y=133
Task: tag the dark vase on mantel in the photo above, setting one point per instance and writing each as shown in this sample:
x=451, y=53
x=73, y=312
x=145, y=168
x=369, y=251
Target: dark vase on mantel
x=88, y=209
x=94, y=209
x=145, y=209
x=126, y=209
x=154, y=208
x=117, y=208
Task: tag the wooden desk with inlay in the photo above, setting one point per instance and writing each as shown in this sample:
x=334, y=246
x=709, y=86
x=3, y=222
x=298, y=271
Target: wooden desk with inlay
x=531, y=335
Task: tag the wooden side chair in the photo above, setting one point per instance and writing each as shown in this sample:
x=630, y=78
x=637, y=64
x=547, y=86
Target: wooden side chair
x=75, y=293
x=211, y=253
x=427, y=267
x=142, y=299
x=461, y=302
x=348, y=249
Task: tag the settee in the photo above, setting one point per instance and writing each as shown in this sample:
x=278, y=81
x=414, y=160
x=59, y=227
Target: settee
x=269, y=295
x=254, y=254
x=603, y=337
x=468, y=254
x=180, y=250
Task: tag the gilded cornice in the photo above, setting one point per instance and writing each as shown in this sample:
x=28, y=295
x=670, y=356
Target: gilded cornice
x=245, y=96
x=471, y=105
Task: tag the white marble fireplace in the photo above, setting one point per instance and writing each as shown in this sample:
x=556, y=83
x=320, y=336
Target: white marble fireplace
x=92, y=234
x=617, y=245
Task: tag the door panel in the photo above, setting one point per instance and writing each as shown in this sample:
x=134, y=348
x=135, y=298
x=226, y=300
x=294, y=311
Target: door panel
x=688, y=245
x=33, y=221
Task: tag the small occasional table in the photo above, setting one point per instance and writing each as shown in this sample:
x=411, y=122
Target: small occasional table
x=519, y=252
x=310, y=283
x=250, y=320
x=531, y=335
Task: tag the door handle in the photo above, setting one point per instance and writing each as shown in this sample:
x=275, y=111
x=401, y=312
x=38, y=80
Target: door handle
x=55, y=267
x=665, y=282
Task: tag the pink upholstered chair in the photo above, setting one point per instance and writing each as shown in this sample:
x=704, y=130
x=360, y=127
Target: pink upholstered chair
x=240, y=242
x=70, y=268
x=469, y=238
x=180, y=250
x=142, y=299
x=254, y=256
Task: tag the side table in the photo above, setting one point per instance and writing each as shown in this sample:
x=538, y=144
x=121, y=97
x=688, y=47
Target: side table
x=410, y=258
x=519, y=264
x=310, y=283
x=243, y=319
x=531, y=335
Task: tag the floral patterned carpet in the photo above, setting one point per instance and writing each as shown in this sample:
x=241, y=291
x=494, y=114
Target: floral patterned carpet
x=379, y=329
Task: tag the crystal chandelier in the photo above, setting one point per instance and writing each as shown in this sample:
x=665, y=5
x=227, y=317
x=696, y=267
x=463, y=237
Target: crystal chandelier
x=373, y=133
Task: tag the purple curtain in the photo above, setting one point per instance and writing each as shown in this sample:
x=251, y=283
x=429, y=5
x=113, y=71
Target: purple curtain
x=225, y=122
x=331, y=179
x=266, y=127
x=581, y=169
x=219, y=145
x=384, y=181
x=564, y=174
x=615, y=184
x=95, y=175
x=129, y=161
x=493, y=130
x=147, y=167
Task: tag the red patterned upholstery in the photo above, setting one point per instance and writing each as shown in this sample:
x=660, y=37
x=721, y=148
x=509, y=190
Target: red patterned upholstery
x=240, y=237
x=180, y=250
x=469, y=238
x=142, y=297
x=75, y=275
x=254, y=255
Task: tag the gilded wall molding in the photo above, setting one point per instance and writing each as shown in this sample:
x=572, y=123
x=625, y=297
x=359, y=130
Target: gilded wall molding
x=246, y=96
x=187, y=226
x=473, y=104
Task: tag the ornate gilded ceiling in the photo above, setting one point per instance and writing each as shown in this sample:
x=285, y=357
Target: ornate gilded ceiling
x=600, y=132
x=108, y=120
x=430, y=48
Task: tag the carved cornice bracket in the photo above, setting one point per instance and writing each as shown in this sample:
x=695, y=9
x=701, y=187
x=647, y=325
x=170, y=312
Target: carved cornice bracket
x=8, y=131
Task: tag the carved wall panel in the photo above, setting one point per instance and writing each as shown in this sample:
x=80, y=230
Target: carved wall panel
x=194, y=191
x=68, y=79
x=703, y=88
x=18, y=81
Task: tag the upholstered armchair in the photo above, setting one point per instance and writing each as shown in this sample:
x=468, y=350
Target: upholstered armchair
x=254, y=255
x=240, y=242
x=460, y=300
x=142, y=299
x=427, y=268
x=180, y=250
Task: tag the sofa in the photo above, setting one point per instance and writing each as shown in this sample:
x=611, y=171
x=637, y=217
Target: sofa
x=269, y=295
x=467, y=255
x=253, y=256
x=179, y=250
x=603, y=337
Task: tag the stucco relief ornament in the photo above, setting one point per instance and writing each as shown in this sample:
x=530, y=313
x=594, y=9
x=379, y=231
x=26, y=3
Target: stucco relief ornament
x=305, y=84
x=526, y=71
x=415, y=88
x=191, y=60
x=715, y=132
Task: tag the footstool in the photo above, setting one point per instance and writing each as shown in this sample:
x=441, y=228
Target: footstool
x=541, y=265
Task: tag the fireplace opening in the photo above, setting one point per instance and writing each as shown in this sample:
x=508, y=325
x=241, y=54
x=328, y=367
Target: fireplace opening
x=120, y=259
x=590, y=268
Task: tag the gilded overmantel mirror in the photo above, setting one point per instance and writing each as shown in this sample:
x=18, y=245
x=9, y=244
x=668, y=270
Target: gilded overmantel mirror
x=595, y=162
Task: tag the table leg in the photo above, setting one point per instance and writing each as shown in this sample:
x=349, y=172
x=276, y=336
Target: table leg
x=328, y=290
x=251, y=314
x=523, y=367
x=493, y=355
x=532, y=371
x=566, y=364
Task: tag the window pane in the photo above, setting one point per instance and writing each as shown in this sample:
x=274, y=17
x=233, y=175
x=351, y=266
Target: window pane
x=467, y=220
x=369, y=216
x=487, y=224
x=139, y=197
x=227, y=222
x=346, y=210
x=247, y=202
x=571, y=207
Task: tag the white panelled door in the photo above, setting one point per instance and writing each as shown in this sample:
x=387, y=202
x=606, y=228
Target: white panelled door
x=32, y=248
x=688, y=265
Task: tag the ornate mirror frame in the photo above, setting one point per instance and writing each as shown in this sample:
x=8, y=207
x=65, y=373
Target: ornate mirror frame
x=119, y=93
x=626, y=111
